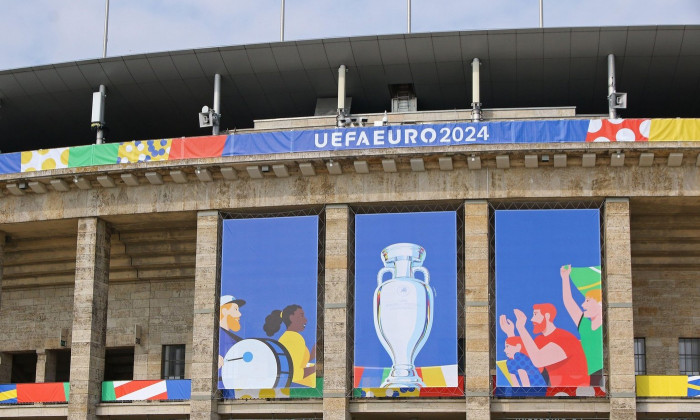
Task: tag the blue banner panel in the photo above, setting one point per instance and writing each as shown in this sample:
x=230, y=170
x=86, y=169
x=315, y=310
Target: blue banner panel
x=423, y=135
x=269, y=276
x=10, y=163
x=406, y=301
x=179, y=389
x=548, y=302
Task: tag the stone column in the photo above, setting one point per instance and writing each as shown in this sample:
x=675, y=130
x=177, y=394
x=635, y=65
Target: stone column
x=205, y=339
x=336, y=371
x=618, y=277
x=5, y=358
x=476, y=266
x=89, y=318
x=45, y=366
x=2, y=264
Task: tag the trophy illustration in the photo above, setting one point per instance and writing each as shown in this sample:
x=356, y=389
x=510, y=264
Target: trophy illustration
x=403, y=311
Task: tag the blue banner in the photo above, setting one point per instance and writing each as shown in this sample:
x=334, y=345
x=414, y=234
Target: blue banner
x=267, y=323
x=10, y=163
x=425, y=135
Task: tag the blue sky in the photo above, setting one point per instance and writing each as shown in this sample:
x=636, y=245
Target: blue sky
x=39, y=32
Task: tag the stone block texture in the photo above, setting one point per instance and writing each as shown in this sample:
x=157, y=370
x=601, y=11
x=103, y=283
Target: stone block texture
x=476, y=334
x=337, y=346
x=665, y=284
x=618, y=289
x=89, y=318
x=203, y=371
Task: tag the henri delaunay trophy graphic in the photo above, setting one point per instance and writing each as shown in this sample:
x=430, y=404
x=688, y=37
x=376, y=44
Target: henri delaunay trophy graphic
x=403, y=311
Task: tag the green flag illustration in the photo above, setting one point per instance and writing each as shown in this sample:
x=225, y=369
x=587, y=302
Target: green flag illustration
x=586, y=278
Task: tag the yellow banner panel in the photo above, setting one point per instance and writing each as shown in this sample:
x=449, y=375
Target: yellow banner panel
x=667, y=129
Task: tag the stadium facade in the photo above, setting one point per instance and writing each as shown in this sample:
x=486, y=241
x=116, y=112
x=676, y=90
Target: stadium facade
x=323, y=261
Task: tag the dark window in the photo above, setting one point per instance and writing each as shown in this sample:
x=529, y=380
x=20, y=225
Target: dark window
x=173, y=362
x=23, y=368
x=119, y=364
x=640, y=356
x=62, y=366
x=689, y=356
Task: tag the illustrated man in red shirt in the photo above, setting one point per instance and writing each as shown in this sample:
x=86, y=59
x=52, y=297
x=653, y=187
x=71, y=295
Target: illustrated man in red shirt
x=555, y=350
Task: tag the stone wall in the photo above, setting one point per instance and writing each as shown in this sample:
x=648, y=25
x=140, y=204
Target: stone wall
x=163, y=310
x=665, y=252
x=32, y=319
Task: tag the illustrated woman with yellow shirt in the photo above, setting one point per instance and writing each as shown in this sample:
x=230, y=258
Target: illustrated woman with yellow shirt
x=295, y=321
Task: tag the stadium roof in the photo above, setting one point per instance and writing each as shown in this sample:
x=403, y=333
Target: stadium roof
x=158, y=95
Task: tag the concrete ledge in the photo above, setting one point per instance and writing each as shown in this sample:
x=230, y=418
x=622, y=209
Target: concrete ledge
x=33, y=410
x=409, y=405
x=668, y=405
x=242, y=407
x=207, y=213
x=139, y=408
x=550, y=405
x=240, y=162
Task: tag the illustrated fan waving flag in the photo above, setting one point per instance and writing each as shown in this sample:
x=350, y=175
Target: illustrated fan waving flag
x=586, y=278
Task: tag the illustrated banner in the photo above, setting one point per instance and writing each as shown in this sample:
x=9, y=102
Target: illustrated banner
x=268, y=316
x=548, y=302
x=405, y=303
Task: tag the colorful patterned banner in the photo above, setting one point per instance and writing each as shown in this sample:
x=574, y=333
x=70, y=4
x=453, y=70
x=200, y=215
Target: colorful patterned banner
x=433, y=376
x=618, y=130
x=281, y=393
x=45, y=159
x=162, y=390
x=560, y=391
x=355, y=138
x=49, y=392
x=411, y=392
x=143, y=151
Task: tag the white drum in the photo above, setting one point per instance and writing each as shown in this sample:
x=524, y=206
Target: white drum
x=257, y=363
